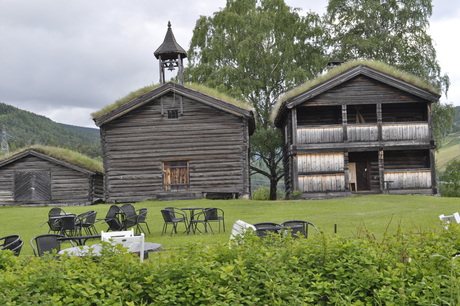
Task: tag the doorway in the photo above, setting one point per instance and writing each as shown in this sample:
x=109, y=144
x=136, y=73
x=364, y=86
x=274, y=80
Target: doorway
x=364, y=171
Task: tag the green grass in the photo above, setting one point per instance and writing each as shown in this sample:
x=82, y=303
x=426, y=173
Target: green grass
x=377, y=213
x=449, y=151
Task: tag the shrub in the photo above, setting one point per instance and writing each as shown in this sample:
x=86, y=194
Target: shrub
x=263, y=193
x=405, y=268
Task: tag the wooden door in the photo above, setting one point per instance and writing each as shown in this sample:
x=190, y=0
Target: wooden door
x=32, y=186
x=175, y=175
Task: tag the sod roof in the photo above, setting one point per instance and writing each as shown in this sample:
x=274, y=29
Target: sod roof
x=138, y=93
x=334, y=77
x=66, y=157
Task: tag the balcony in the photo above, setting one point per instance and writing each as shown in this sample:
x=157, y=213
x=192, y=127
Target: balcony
x=363, y=133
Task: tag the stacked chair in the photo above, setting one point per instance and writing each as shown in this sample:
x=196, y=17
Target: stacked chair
x=12, y=243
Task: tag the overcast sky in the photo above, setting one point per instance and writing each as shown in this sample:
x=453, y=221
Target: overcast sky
x=67, y=59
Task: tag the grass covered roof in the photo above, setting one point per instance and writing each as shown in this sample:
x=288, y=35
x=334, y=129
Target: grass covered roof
x=65, y=155
x=376, y=65
x=146, y=89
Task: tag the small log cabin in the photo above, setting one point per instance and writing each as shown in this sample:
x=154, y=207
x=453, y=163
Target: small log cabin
x=175, y=142
x=44, y=175
x=362, y=127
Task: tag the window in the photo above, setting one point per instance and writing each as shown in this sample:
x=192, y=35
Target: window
x=173, y=113
x=32, y=186
x=175, y=175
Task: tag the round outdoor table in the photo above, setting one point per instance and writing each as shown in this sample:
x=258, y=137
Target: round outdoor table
x=95, y=250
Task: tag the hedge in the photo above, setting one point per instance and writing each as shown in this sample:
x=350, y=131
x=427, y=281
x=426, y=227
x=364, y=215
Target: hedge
x=398, y=269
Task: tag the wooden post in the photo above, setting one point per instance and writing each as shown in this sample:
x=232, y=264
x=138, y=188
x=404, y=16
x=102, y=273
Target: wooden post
x=379, y=121
x=344, y=123
x=295, y=171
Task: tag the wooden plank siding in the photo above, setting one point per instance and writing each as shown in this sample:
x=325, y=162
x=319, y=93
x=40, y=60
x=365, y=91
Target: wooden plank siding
x=326, y=134
x=322, y=183
x=409, y=179
x=214, y=142
x=363, y=132
x=406, y=131
x=314, y=163
x=321, y=172
x=68, y=186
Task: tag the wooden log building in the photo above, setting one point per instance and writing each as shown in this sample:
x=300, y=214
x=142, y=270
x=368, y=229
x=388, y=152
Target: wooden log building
x=175, y=141
x=363, y=127
x=43, y=175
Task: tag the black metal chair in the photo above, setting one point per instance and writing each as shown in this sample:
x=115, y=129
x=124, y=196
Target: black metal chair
x=129, y=216
x=182, y=214
x=12, y=243
x=200, y=218
x=112, y=219
x=17, y=249
x=141, y=219
x=214, y=214
x=169, y=217
x=69, y=226
x=263, y=228
x=299, y=227
x=86, y=221
x=53, y=219
x=45, y=243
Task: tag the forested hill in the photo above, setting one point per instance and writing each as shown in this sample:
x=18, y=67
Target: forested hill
x=25, y=128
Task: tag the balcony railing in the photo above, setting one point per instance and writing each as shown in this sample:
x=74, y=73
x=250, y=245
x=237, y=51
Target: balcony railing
x=414, y=131
x=363, y=132
x=324, y=134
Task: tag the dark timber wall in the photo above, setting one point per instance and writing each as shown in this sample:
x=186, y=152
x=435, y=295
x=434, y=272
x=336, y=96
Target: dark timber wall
x=35, y=181
x=213, y=142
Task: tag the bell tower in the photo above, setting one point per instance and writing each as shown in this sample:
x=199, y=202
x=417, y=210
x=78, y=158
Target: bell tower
x=171, y=55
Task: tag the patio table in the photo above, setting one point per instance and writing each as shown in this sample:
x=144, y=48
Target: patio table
x=191, y=211
x=79, y=240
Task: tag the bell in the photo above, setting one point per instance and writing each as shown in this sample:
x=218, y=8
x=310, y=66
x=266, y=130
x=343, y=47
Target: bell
x=170, y=67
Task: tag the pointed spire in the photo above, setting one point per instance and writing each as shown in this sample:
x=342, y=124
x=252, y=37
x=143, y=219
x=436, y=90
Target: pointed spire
x=171, y=56
x=170, y=49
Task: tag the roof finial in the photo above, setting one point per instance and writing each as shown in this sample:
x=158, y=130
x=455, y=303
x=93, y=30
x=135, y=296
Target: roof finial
x=169, y=24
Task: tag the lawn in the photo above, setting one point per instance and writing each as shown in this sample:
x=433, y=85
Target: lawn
x=376, y=213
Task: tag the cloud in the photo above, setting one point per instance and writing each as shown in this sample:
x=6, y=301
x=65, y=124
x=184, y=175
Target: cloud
x=67, y=59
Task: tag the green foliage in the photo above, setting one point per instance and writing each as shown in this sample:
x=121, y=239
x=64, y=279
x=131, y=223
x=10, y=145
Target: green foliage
x=27, y=129
x=443, y=119
x=402, y=269
x=394, y=32
x=262, y=193
x=256, y=50
x=450, y=178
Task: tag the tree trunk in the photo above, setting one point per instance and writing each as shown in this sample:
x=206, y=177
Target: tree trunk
x=273, y=188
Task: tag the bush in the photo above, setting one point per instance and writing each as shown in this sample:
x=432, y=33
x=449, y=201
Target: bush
x=263, y=193
x=401, y=269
